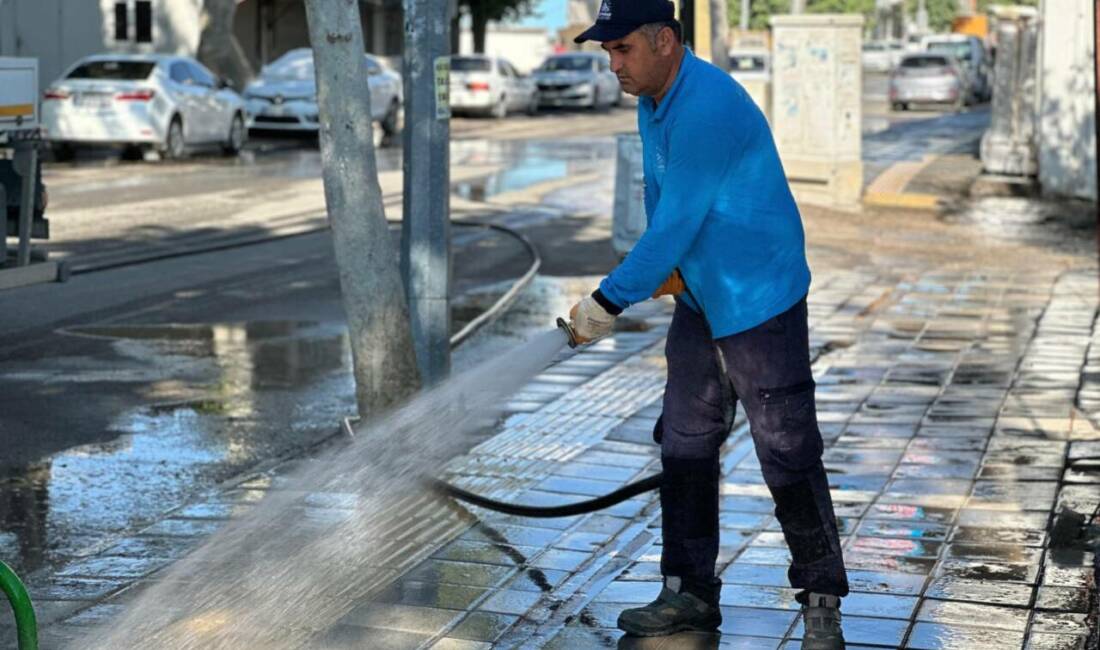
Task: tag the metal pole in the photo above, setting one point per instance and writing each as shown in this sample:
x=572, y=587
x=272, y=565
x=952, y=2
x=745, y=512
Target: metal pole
x=26, y=164
x=798, y=6
x=425, y=227
x=745, y=14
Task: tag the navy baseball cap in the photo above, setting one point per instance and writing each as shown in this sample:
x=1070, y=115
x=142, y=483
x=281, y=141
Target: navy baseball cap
x=617, y=18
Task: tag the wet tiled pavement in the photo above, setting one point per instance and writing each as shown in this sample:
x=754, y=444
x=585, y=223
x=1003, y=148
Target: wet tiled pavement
x=957, y=411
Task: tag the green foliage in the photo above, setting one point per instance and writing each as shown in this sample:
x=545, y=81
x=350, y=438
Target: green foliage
x=498, y=10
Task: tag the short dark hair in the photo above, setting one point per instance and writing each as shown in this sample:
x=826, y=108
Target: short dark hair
x=652, y=29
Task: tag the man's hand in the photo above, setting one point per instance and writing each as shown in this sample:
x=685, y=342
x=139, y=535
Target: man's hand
x=589, y=320
x=673, y=286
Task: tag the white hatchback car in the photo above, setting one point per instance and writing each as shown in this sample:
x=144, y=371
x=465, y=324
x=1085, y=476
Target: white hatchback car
x=156, y=101
x=284, y=98
x=490, y=85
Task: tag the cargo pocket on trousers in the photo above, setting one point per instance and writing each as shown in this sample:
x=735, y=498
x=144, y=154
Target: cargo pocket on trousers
x=789, y=425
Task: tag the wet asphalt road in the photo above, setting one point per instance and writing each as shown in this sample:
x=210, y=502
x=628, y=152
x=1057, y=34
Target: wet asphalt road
x=128, y=391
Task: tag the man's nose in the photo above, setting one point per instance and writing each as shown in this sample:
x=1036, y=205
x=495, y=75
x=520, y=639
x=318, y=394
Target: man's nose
x=616, y=64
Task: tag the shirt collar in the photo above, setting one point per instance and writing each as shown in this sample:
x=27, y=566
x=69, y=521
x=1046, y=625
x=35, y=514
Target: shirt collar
x=658, y=111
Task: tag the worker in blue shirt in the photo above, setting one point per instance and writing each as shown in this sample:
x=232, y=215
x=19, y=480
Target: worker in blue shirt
x=725, y=237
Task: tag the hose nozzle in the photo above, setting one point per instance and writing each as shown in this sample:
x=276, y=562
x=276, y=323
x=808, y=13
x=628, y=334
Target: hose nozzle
x=562, y=323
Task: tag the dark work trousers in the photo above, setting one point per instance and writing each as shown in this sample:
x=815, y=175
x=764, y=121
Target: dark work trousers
x=768, y=369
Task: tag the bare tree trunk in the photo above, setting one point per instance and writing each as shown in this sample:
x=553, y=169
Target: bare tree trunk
x=456, y=32
x=374, y=298
x=479, y=22
x=719, y=33
x=218, y=48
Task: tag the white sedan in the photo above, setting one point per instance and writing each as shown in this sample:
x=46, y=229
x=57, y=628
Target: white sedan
x=162, y=102
x=490, y=85
x=284, y=98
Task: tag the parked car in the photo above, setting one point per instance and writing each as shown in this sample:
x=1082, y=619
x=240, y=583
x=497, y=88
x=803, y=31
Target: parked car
x=147, y=100
x=971, y=54
x=928, y=78
x=284, y=97
x=876, y=57
x=490, y=85
x=578, y=79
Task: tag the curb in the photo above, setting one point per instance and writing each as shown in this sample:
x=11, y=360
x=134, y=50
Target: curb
x=909, y=200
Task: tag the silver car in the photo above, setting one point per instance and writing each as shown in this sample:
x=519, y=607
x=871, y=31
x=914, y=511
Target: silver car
x=581, y=79
x=928, y=78
x=284, y=98
x=490, y=85
x=152, y=101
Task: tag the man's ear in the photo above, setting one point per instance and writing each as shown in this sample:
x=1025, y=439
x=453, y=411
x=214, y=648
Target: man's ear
x=666, y=41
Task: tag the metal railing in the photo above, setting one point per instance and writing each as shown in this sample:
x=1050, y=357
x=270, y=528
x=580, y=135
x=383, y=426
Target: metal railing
x=26, y=626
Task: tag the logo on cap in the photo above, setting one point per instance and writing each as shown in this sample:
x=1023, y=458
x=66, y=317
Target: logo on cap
x=605, y=10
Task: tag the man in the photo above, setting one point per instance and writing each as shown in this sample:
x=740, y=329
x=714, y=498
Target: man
x=724, y=235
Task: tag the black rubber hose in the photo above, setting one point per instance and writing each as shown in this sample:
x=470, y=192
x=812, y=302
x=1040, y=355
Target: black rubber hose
x=568, y=510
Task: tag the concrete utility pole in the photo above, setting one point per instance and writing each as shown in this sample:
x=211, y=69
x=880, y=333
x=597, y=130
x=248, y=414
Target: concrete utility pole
x=798, y=6
x=745, y=14
x=374, y=300
x=426, y=226
x=719, y=34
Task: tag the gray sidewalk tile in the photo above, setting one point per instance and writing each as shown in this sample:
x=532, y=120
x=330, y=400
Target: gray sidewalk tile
x=981, y=591
x=949, y=612
x=870, y=631
x=936, y=636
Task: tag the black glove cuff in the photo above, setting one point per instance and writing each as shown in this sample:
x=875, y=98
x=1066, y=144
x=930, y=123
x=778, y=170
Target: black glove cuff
x=607, y=305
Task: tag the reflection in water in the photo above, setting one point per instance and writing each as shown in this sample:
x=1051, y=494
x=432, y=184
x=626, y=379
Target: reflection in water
x=24, y=503
x=526, y=163
x=187, y=405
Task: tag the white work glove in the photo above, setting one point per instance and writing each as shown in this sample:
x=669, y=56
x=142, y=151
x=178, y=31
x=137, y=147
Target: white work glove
x=589, y=320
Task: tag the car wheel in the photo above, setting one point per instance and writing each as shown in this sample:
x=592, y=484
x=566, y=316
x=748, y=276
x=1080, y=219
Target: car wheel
x=235, y=141
x=595, y=99
x=389, y=122
x=533, y=105
x=897, y=106
x=500, y=109
x=173, y=143
x=62, y=151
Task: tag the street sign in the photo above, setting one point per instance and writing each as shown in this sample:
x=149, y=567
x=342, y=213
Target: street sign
x=443, y=88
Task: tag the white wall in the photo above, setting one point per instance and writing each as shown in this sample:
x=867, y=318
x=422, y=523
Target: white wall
x=58, y=32
x=1067, y=131
x=525, y=48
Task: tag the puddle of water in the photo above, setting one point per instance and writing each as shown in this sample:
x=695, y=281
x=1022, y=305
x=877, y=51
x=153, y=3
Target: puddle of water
x=184, y=406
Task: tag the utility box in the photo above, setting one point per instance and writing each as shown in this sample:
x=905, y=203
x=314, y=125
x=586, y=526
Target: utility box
x=18, y=94
x=816, y=111
x=1009, y=144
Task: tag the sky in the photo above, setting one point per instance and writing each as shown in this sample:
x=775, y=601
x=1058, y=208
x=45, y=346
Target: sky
x=548, y=13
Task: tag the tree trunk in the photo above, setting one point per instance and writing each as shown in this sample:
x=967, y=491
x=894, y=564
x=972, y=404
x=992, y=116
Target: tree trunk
x=719, y=33
x=456, y=32
x=479, y=22
x=374, y=299
x=218, y=48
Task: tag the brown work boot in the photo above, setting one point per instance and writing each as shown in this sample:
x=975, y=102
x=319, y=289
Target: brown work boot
x=675, y=610
x=821, y=620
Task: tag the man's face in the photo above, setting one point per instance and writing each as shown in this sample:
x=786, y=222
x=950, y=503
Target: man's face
x=641, y=67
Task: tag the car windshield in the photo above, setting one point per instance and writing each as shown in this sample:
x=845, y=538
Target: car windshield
x=873, y=47
x=122, y=70
x=469, y=64
x=924, y=62
x=568, y=63
x=747, y=63
x=960, y=50
x=296, y=67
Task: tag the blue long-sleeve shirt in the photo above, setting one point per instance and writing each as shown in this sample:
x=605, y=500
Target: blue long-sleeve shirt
x=718, y=206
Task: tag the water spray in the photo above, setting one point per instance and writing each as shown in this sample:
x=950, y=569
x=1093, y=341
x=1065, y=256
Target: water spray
x=627, y=491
